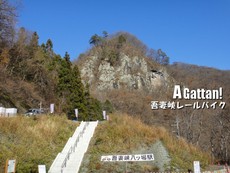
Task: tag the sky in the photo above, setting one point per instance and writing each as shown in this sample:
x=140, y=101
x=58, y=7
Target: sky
x=189, y=31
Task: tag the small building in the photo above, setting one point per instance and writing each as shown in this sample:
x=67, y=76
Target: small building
x=2, y=111
x=8, y=112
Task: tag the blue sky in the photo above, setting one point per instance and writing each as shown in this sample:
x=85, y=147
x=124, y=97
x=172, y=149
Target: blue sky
x=189, y=31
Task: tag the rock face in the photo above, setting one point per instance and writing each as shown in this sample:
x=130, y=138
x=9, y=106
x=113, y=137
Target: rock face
x=132, y=73
x=161, y=156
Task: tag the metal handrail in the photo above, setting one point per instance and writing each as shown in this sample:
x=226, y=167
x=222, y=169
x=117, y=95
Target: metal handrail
x=72, y=148
x=67, y=157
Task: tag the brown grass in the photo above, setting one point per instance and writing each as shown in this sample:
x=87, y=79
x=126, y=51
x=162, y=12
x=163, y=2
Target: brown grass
x=33, y=141
x=123, y=134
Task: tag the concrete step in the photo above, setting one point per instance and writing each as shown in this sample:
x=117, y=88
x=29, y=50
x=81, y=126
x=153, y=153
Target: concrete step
x=56, y=166
x=81, y=137
x=74, y=163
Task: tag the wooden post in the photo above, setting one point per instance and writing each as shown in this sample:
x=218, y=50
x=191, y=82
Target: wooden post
x=6, y=167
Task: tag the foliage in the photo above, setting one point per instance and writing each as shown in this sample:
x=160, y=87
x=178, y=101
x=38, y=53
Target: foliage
x=73, y=94
x=4, y=57
x=158, y=56
x=54, y=79
x=108, y=107
x=110, y=47
x=105, y=34
x=208, y=128
x=95, y=40
x=93, y=107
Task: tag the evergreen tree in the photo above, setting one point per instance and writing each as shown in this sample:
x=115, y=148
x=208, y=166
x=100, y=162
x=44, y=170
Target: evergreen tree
x=94, y=108
x=87, y=103
x=43, y=46
x=121, y=41
x=105, y=34
x=73, y=95
x=108, y=107
x=33, y=46
x=34, y=40
x=77, y=97
x=49, y=47
x=71, y=89
x=95, y=40
x=67, y=60
x=64, y=83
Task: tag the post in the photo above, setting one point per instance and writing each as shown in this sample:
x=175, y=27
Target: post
x=104, y=115
x=52, y=108
x=40, y=106
x=177, y=126
x=6, y=167
x=76, y=114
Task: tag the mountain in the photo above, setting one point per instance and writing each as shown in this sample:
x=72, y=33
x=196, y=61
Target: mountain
x=131, y=79
x=118, y=73
x=116, y=65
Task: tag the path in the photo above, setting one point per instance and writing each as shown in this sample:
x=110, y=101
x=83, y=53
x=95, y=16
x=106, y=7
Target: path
x=69, y=160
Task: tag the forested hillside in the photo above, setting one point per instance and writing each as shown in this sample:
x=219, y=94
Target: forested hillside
x=124, y=70
x=32, y=73
x=209, y=128
x=118, y=72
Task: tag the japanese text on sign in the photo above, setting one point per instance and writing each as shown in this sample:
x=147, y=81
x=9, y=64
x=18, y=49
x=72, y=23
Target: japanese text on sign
x=127, y=158
x=177, y=105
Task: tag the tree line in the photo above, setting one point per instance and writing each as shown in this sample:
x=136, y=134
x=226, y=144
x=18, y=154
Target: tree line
x=126, y=43
x=36, y=67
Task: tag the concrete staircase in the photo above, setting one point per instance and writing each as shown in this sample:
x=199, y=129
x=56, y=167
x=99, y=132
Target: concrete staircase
x=69, y=160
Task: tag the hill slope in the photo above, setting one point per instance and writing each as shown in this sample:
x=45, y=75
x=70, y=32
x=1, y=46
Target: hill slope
x=123, y=134
x=125, y=75
x=33, y=141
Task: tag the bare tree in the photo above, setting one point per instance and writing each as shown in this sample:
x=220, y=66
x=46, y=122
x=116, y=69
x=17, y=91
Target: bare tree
x=7, y=22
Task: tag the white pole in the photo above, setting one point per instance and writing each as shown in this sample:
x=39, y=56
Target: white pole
x=76, y=113
x=52, y=108
x=104, y=115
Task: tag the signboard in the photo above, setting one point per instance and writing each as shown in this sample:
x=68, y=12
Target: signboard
x=10, y=166
x=127, y=158
x=51, y=108
x=76, y=113
x=41, y=168
x=196, y=165
x=104, y=115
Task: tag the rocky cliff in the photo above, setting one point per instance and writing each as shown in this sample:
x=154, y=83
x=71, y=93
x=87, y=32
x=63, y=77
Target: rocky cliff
x=131, y=73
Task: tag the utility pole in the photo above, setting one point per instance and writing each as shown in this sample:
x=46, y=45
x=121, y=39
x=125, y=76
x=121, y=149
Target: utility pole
x=176, y=124
x=40, y=106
